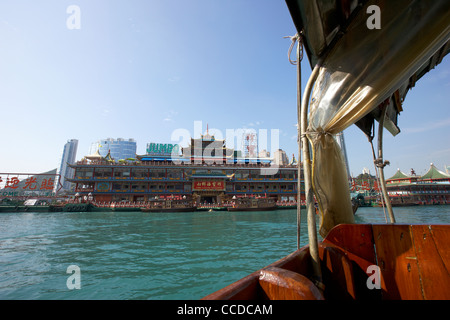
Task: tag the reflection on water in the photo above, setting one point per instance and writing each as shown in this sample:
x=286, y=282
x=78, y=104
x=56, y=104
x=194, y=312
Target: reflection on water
x=134, y=255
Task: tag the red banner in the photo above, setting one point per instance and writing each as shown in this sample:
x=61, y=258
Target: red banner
x=28, y=184
x=365, y=186
x=209, y=185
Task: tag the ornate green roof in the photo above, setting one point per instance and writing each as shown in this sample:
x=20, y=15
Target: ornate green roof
x=435, y=173
x=399, y=175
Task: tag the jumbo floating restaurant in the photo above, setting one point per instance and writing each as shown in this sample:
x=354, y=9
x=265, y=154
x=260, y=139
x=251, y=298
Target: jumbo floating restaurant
x=206, y=172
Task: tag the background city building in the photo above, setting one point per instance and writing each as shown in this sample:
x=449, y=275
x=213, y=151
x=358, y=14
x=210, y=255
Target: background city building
x=68, y=156
x=264, y=154
x=250, y=144
x=280, y=158
x=119, y=148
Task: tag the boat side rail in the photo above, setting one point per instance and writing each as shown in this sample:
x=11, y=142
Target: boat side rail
x=412, y=262
x=292, y=278
x=282, y=284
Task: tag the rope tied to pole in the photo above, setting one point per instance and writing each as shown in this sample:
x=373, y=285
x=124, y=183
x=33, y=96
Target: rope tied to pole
x=294, y=39
x=297, y=39
x=302, y=107
x=379, y=163
x=316, y=134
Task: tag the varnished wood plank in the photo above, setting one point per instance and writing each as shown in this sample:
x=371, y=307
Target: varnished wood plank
x=337, y=273
x=441, y=236
x=356, y=239
x=404, y=253
x=434, y=276
x=248, y=288
x=281, y=284
x=400, y=278
x=244, y=289
x=298, y=262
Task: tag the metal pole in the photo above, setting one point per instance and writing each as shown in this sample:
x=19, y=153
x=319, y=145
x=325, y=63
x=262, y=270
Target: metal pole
x=299, y=170
x=380, y=165
x=312, y=231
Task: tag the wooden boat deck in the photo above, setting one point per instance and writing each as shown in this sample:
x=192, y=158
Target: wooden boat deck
x=413, y=262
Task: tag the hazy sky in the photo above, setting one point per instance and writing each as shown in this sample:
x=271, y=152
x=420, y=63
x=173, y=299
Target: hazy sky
x=145, y=69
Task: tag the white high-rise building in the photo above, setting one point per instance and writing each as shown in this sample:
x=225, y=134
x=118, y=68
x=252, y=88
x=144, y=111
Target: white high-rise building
x=118, y=148
x=68, y=157
x=250, y=144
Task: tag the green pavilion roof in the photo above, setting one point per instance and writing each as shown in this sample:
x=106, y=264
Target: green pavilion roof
x=399, y=175
x=435, y=173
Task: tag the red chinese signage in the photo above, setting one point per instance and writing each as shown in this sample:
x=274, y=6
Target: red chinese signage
x=201, y=185
x=365, y=186
x=18, y=185
x=29, y=183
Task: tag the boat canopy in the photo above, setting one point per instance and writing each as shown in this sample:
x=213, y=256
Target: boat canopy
x=414, y=33
x=365, y=56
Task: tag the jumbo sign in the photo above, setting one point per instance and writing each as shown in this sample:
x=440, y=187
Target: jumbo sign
x=162, y=149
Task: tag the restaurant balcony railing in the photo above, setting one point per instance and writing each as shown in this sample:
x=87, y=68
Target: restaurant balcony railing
x=165, y=191
x=181, y=164
x=85, y=191
x=249, y=179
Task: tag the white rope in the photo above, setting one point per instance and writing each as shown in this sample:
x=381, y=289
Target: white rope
x=294, y=39
x=297, y=62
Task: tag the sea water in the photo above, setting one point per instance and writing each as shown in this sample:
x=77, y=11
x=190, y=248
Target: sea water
x=137, y=255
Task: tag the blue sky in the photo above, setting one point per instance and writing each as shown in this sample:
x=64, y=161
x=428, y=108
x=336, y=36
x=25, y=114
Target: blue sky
x=143, y=69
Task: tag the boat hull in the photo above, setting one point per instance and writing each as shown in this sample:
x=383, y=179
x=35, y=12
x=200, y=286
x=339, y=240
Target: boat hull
x=290, y=207
x=252, y=209
x=186, y=209
x=411, y=262
x=212, y=209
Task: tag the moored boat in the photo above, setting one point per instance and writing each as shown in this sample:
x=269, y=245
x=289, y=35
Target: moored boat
x=253, y=204
x=289, y=205
x=169, y=206
x=211, y=208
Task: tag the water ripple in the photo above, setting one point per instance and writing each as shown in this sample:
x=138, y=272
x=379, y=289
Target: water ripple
x=133, y=255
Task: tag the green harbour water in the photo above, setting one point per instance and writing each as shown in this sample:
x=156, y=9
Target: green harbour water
x=158, y=256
